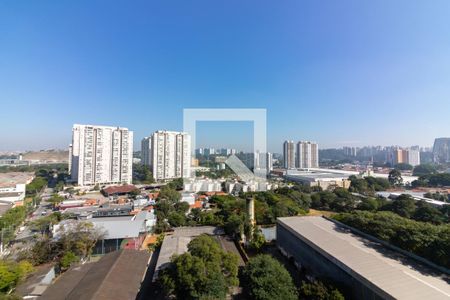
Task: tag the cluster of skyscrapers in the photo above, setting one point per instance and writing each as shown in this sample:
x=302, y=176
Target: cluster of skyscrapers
x=409, y=156
x=303, y=155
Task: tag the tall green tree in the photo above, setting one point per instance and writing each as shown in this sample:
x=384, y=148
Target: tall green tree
x=264, y=278
x=395, y=177
x=204, y=272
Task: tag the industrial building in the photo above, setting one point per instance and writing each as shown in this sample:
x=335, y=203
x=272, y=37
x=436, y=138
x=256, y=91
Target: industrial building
x=370, y=270
x=12, y=186
x=322, y=178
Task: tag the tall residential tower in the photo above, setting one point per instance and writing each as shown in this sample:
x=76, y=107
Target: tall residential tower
x=307, y=155
x=101, y=154
x=289, y=154
x=169, y=154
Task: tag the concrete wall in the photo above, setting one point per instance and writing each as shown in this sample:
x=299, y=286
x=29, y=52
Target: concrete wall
x=314, y=263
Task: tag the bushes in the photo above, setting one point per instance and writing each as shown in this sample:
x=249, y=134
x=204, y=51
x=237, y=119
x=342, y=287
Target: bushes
x=319, y=291
x=11, y=273
x=423, y=239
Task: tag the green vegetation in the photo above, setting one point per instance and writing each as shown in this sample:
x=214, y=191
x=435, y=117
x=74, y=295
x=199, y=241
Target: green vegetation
x=264, y=278
x=424, y=239
x=10, y=220
x=79, y=239
x=176, y=184
x=214, y=174
x=432, y=180
x=204, y=272
x=36, y=185
x=11, y=273
x=36, y=168
x=437, y=196
x=403, y=167
x=395, y=178
x=169, y=193
x=340, y=200
x=318, y=290
x=283, y=202
x=405, y=206
x=67, y=260
x=43, y=224
x=142, y=174
x=422, y=170
x=368, y=185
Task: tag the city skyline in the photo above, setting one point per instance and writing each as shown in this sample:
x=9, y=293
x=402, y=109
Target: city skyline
x=339, y=78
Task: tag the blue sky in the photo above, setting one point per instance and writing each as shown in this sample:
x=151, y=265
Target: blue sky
x=336, y=72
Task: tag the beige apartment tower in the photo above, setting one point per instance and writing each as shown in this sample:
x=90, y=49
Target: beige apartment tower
x=289, y=155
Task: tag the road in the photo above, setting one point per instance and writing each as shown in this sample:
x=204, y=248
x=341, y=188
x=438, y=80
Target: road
x=42, y=210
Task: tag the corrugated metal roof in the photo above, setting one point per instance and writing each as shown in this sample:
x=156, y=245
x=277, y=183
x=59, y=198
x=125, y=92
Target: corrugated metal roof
x=397, y=275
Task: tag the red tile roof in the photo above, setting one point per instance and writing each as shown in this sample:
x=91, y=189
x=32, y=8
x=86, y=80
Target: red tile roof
x=119, y=189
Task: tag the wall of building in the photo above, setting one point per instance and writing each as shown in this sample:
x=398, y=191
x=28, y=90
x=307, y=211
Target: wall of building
x=315, y=263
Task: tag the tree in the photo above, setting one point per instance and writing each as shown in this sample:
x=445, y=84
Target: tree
x=258, y=240
x=68, y=259
x=11, y=273
x=204, y=272
x=320, y=291
x=404, y=205
x=370, y=204
x=182, y=207
x=234, y=225
x=425, y=212
x=176, y=219
x=421, y=238
x=36, y=185
x=176, y=184
x=403, y=167
x=425, y=169
x=169, y=193
x=264, y=278
x=55, y=199
x=142, y=174
x=79, y=239
x=395, y=177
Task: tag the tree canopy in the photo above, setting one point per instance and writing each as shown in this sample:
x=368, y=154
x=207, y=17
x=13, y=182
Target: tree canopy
x=264, y=278
x=204, y=272
x=395, y=177
x=424, y=239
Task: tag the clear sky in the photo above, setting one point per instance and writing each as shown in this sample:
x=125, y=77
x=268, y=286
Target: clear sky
x=336, y=72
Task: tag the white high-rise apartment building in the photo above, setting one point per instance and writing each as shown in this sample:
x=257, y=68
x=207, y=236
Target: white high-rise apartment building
x=289, y=154
x=170, y=154
x=307, y=155
x=101, y=154
x=414, y=157
x=269, y=162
